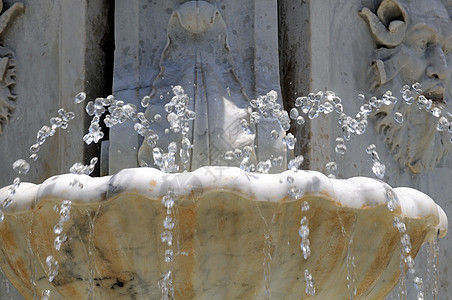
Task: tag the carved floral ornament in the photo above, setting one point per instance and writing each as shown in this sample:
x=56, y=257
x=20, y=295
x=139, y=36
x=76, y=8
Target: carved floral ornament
x=414, y=41
x=7, y=66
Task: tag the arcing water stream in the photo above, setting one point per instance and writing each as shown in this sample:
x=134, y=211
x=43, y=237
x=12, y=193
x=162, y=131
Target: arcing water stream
x=179, y=118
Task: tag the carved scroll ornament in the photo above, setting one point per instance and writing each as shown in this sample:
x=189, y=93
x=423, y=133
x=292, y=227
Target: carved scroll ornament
x=7, y=66
x=414, y=40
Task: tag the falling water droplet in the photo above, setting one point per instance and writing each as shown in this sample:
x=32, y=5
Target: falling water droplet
x=157, y=118
x=52, y=266
x=442, y=124
x=419, y=285
x=329, y=95
x=378, y=169
x=169, y=254
x=391, y=200
x=45, y=295
x=274, y=134
x=310, y=289
x=374, y=156
x=35, y=148
x=436, y=112
x=313, y=113
x=59, y=240
x=145, y=101
x=80, y=97
x=300, y=120
x=168, y=223
x=331, y=166
x=341, y=149
x=294, y=164
x=410, y=262
x=21, y=166
x=295, y=193
x=327, y=108
x=416, y=86
x=90, y=109
x=398, y=117
x=406, y=243
x=290, y=141
x=229, y=155
x=264, y=166
x=371, y=148
x=397, y=223
x=294, y=113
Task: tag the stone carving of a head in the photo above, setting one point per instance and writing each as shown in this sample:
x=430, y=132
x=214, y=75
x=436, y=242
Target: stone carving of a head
x=414, y=41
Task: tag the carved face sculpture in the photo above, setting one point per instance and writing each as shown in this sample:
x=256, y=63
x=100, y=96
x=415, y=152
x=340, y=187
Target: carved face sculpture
x=414, y=39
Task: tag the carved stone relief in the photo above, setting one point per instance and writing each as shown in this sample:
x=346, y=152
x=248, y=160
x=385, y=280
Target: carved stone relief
x=198, y=58
x=7, y=66
x=414, y=40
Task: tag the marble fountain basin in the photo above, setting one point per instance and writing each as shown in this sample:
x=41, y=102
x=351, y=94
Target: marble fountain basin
x=221, y=215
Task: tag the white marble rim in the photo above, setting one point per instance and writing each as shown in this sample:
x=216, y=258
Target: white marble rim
x=354, y=193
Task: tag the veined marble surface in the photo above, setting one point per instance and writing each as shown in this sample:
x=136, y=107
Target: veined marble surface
x=221, y=217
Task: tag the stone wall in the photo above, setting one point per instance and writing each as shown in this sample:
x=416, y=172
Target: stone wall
x=58, y=52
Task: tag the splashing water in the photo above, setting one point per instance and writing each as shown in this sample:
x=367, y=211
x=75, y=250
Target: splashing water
x=65, y=214
x=432, y=281
x=52, y=266
x=303, y=232
x=166, y=237
x=178, y=116
x=310, y=288
x=45, y=295
x=267, y=260
x=406, y=260
x=91, y=251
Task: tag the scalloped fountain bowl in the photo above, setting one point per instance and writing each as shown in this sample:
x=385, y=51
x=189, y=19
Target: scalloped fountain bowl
x=221, y=216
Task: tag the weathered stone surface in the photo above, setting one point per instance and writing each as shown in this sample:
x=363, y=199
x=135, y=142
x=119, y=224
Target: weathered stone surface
x=221, y=216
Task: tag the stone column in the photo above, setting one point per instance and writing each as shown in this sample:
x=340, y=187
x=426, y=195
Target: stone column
x=57, y=48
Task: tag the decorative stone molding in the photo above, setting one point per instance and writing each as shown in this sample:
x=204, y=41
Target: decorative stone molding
x=414, y=40
x=7, y=66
